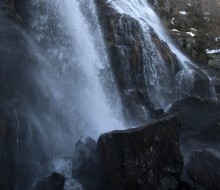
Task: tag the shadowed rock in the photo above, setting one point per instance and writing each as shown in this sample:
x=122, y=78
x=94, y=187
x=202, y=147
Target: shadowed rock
x=204, y=168
x=199, y=119
x=85, y=163
x=143, y=158
x=54, y=182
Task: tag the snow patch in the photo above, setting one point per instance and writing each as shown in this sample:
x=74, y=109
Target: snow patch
x=183, y=12
x=212, y=51
x=172, y=21
x=191, y=34
x=175, y=30
x=217, y=39
x=193, y=29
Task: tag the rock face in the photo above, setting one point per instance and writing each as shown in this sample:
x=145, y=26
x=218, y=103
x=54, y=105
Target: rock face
x=124, y=39
x=16, y=166
x=125, y=52
x=7, y=151
x=132, y=54
x=149, y=157
x=199, y=119
x=188, y=184
x=144, y=158
x=85, y=163
x=204, y=168
x=194, y=27
x=54, y=182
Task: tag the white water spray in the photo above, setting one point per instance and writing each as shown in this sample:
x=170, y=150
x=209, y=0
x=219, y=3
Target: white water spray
x=72, y=73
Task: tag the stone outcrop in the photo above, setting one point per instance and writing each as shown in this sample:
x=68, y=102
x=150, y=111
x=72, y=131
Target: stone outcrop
x=7, y=151
x=126, y=43
x=149, y=157
x=204, y=168
x=86, y=163
x=143, y=158
x=199, y=119
x=53, y=182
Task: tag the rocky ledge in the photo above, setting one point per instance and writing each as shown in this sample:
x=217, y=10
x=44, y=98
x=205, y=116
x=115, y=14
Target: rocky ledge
x=150, y=157
x=147, y=157
x=204, y=168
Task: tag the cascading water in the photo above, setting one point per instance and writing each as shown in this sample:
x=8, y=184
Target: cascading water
x=71, y=90
x=73, y=71
x=163, y=87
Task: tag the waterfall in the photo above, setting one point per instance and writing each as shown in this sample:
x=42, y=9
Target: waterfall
x=68, y=89
x=72, y=73
x=57, y=79
x=163, y=87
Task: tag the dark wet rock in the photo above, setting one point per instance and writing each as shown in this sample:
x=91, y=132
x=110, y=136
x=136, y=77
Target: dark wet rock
x=53, y=182
x=204, y=168
x=143, y=158
x=197, y=118
x=85, y=163
x=186, y=183
x=211, y=134
x=214, y=62
x=7, y=149
x=17, y=168
x=125, y=41
x=127, y=62
x=167, y=55
x=127, y=45
x=139, y=105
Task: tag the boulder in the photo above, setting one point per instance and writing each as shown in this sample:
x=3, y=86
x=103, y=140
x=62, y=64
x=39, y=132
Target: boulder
x=7, y=150
x=147, y=157
x=204, y=168
x=85, y=163
x=131, y=60
x=186, y=183
x=53, y=182
x=199, y=119
x=211, y=134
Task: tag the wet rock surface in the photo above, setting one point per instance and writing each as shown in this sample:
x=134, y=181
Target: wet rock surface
x=194, y=106
x=131, y=60
x=204, y=168
x=199, y=119
x=149, y=157
x=7, y=149
x=86, y=163
x=144, y=158
x=54, y=182
x=186, y=183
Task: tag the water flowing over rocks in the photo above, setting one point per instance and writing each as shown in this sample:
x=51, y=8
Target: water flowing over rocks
x=48, y=99
x=136, y=53
x=124, y=42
